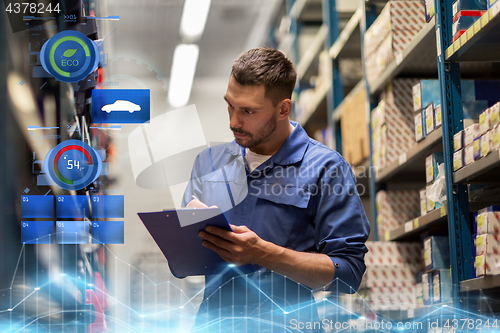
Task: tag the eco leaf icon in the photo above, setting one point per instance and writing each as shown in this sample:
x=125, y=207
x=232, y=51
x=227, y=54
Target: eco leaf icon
x=69, y=53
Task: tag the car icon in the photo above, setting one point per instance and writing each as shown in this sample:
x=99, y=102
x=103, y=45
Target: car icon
x=121, y=105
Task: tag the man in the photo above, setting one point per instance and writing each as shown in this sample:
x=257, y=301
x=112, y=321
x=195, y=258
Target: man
x=291, y=202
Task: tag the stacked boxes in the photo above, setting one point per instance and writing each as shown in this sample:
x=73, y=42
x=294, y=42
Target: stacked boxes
x=436, y=253
x=487, y=242
x=426, y=92
x=391, y=32
x=423, y=202
x=389, y=280
x=441, y=286
x=465, y=13
x=427, y=105
x=429, y=10
x=392, y=123
x=392, y=253
x=463, y=20
x=431, y=166
x=458, y=155
x=489, y=132
x=436, y=281
x=394, y=208
x=487, y=221
x=471, y=143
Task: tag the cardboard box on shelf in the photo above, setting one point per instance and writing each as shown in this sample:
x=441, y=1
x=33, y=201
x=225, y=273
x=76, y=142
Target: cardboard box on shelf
x=430, y=122
x=487, y=221
x=429, y=10
x=470, y=134
x=431, y=166
x=458, y=160
x=426, y=92
x=395, y=113
x=436, y=253
x=427, y=289
x=495, y=138
x=423, y=202
x=438, y=114
x=460, y=5
x=389, y=298
x=495, y=115
x=486, y=143
x=389, y=276
x=463, y=20
x=487, y=264
x=394, y=208
x=419, y=127
x=477, y=148
x=354, y=128
x=484, y=121
x=392, y=253
x=487, y=244
x=468, y=154
x=442, y=286
x=458, y=140
x=396, y=15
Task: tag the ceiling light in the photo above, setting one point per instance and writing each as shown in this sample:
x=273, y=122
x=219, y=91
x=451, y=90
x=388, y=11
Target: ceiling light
x=182, y=74
x=194, y=17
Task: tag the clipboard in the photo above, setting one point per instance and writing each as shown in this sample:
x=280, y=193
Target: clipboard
x=176, y=234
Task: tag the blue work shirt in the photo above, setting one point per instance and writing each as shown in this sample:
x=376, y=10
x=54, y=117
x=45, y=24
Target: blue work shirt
x=303, y=198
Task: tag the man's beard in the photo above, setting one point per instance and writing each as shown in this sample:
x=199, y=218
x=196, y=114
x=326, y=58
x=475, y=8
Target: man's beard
x=251, y=140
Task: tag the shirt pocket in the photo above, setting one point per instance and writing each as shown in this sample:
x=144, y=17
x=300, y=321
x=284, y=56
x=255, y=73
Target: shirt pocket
x=225, y=187
x=284, y=194
x=281, y=215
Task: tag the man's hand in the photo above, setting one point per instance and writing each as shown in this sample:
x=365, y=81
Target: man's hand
x=243, y=246
x=195, y=203
x=240, y=247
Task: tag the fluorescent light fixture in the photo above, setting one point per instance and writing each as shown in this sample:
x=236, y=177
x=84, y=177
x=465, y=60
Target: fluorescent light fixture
x=194, y=18
x=182, y=74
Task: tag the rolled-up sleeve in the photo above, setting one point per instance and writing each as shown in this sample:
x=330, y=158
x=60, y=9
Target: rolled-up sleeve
x=341, y=227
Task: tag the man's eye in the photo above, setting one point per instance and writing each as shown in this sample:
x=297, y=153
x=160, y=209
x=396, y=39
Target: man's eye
x=249, y=111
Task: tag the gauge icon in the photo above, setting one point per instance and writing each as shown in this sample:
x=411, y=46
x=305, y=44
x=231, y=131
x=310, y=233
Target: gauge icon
x=73, y=165
x=69, y=56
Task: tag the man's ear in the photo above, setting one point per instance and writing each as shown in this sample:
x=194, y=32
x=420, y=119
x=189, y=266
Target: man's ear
x=286, y=106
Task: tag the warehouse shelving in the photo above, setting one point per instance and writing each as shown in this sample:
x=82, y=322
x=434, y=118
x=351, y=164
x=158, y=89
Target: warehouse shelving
x=348, y=41
x=481, y=283
x=413, y=161
x=431, y=54
x=417, y=60
x=484, y=170
x=480, y=42
x=411, y=230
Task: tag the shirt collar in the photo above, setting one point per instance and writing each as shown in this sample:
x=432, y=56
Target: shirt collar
x=292, y=151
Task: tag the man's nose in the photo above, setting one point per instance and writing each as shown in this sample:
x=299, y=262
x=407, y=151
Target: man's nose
x=234, y=119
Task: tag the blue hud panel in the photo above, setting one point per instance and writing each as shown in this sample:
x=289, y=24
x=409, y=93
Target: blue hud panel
x=120, y=106
x=72, y=232
x=72, y=206
x=108, y=206
x=108, y=232
x=37, y=232
x=37, y=206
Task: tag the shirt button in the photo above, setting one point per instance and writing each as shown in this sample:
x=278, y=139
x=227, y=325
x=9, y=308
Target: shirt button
x=336, y=265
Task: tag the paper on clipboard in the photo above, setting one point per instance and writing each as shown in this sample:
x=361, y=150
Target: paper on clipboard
x=176, y=234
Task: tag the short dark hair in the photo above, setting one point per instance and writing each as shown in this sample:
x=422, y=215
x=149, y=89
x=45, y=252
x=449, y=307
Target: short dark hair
x=267, y=66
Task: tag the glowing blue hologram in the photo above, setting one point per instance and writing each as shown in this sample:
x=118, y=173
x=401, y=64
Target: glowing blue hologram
x=37, y=206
